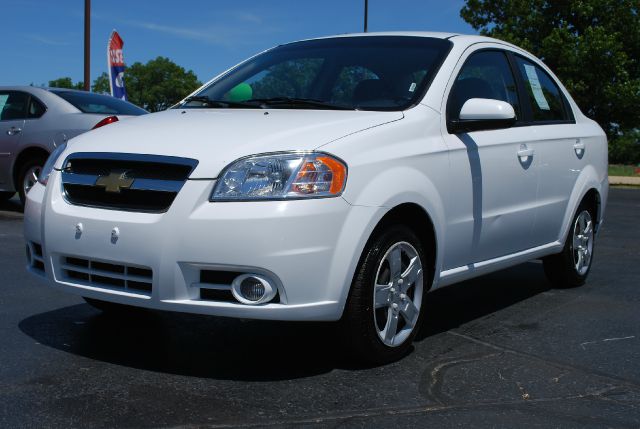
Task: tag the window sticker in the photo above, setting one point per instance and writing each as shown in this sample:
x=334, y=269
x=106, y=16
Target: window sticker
x=412, y=87
x=534, y=82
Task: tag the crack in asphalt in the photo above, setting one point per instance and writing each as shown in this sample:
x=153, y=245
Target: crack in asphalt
x=399, y=411
x=557, y=364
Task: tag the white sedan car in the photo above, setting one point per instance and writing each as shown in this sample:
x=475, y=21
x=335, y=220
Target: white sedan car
x=334, y=179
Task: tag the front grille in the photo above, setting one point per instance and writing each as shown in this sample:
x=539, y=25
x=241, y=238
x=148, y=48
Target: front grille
x=107, y=274
x=144, y=183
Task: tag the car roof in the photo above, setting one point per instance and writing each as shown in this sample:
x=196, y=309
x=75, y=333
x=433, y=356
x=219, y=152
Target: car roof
x=455, y=38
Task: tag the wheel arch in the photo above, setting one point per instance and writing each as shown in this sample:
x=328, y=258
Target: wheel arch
x=26, y=154
x=419, y=221
x=588, y=188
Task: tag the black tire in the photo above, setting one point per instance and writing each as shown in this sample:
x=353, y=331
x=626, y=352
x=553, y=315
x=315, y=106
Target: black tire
x=114, y=308
x=560, y=269
x=38, y=161
x=358, y=324
x=6, y=196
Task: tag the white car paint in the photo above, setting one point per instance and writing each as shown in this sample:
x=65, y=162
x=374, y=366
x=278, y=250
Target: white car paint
x=473, y=188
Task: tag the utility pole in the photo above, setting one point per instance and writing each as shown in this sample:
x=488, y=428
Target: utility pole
x=366, y=14
x=87, y=45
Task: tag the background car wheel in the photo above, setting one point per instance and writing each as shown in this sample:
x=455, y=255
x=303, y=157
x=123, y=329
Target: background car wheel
x=383, y=311
x=5, y=196
x=571, y=267
x=28, y=176
x=113, y=308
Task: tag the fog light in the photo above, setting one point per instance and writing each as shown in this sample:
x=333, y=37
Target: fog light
x=252, y=289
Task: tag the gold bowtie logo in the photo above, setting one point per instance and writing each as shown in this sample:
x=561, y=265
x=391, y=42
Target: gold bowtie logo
x=115, y=181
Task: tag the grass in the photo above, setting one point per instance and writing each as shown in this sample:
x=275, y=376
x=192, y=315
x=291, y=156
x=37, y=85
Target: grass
x=624, y=170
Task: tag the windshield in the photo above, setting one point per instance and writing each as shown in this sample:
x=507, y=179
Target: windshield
x=365, y=73
x=88, y=102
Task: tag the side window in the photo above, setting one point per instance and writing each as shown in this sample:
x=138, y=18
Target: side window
x=485, y=74
x=15, y=105
x=36, y=108
x=352, y=84
x=546, y=100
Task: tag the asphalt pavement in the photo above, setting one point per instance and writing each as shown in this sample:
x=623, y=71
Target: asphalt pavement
x=503, y=350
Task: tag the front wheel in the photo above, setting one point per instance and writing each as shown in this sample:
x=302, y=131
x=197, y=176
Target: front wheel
x=384, y=308
x=571, y=267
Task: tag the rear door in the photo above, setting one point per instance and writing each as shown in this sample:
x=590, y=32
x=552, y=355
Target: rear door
x=560, y=149
x=13, y=111
x=491, y=208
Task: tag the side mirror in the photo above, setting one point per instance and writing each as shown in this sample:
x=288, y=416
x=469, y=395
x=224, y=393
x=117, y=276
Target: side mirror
x=483, y=114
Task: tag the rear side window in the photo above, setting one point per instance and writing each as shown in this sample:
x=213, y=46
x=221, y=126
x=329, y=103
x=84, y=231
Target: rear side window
x=36, y=108
x=485, y=74
x=13, y=105
x=88, y=102
x=547, y=102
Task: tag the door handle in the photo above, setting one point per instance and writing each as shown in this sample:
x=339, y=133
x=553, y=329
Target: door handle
x=579, y=147
x=13, y=131
x=525, y=153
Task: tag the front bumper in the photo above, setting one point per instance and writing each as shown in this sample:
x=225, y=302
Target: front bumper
x=310, y=249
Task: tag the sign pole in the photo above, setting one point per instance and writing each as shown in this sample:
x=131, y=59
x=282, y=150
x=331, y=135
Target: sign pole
x=366, y=14
x=87, y=45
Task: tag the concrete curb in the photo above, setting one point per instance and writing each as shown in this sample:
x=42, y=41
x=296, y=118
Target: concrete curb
x=624, y=180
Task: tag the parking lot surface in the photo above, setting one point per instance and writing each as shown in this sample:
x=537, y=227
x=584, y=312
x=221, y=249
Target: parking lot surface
x=504, y=350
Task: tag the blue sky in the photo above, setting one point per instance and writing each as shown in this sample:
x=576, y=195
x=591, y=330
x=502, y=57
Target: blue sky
x=44, y=37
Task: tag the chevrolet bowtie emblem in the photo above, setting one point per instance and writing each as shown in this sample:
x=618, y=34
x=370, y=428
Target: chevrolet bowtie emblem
x=115, y=181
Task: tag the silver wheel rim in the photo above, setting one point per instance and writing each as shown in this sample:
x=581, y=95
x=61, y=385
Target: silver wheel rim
x=31, y=178
x=397, y=294
x=582, y=247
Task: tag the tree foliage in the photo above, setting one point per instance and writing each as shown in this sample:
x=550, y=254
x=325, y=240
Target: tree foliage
x=65, y=82
x=158, y=84
x=592, y=45
x=101, y=84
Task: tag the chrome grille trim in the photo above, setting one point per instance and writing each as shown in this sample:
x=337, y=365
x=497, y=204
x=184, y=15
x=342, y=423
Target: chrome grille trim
x=138, y=184
x=153, y=180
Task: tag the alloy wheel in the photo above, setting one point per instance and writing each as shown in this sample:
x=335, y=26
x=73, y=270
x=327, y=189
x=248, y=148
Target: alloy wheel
x=582, y=248
x=398, y=293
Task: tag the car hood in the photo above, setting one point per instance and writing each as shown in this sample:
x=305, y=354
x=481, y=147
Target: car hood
x=216, y=137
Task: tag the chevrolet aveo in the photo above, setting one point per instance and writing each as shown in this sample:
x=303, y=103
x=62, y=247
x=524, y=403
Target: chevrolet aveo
x=334, y=179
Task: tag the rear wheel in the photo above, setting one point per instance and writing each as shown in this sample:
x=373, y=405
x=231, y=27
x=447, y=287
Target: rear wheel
x=571, y=267
x=384, y=307
x=28, y=176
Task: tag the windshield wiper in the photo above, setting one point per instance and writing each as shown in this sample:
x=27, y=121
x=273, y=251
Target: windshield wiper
x=303, y=102
x=210, y=102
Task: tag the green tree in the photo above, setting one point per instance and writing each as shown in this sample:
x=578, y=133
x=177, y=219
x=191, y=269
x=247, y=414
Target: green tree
x=65, y=82
x=592, y=45
x=158, y=84
x=101, y=84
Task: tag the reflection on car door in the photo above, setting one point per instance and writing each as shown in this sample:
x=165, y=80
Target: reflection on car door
x=13, y=109
x=560, y=147
x=491, y=206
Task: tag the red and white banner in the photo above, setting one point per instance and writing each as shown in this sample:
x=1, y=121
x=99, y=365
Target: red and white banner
x=115, y=60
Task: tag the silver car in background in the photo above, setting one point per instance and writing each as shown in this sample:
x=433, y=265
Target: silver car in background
x=34, y=121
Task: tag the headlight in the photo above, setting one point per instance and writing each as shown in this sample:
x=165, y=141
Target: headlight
x=281, y=176
x=48, y=166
